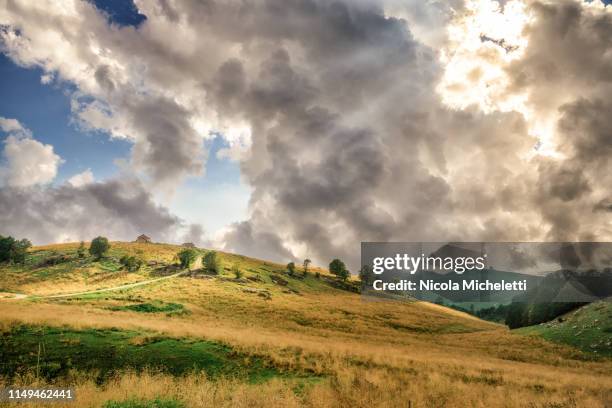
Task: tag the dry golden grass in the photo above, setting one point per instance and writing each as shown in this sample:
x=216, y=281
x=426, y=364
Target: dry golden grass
x=371, y=353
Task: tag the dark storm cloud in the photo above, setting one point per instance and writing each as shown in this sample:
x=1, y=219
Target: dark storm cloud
x=118, y=209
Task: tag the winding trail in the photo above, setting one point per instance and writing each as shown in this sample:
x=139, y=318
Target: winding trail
x=90, y=292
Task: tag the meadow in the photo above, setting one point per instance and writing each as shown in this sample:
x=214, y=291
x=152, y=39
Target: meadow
x=267, y=339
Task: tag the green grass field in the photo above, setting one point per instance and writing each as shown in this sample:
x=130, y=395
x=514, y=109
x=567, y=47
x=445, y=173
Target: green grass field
x=588, y=328
x=52, y=352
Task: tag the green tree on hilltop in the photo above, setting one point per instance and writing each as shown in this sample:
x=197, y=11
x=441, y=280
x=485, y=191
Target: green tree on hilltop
x=338, y=268
x=99, y=247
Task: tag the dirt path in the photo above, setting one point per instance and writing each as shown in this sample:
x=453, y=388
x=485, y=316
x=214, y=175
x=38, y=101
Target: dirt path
x=89, y=292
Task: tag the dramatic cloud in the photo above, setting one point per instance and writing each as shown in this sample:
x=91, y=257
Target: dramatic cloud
x=490, y=122
x=27, y=162
x=81, y=209
x=118, y=209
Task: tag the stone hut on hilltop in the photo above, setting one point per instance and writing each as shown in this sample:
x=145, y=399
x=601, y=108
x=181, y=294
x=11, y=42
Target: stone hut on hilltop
x=188, y=245
x=143, y=239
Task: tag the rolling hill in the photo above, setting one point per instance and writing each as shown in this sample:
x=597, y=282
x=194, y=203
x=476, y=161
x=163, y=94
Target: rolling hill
x=266, y=338
x=588, y=328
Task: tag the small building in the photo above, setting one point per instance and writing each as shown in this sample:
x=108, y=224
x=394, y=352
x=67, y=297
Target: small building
x=143, y=239
x=188, y=245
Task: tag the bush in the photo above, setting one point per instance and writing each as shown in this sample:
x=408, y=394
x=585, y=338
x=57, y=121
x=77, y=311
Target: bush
x=99, y=247
x=131, y=263
x=211, y=263
x=81, y=250
x=12, y=250
x=236, y=271
x=291, y=268
x=338, y=268
x=187, y=257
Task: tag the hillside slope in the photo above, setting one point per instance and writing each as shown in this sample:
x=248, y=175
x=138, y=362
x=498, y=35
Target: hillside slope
x=588, y=328
x=293, y=340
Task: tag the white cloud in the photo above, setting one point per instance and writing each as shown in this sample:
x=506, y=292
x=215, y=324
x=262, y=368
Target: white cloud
x=13, y=126
x=81, y=179
x=28, y=162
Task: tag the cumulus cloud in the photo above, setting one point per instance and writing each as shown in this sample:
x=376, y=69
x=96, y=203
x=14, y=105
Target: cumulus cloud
x=78, y=210
x=81, y=179
x=27, y=162
x=12, y=126
x=352, y=120
x=119, y=209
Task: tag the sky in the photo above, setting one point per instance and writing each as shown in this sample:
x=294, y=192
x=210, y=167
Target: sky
x=286, y=129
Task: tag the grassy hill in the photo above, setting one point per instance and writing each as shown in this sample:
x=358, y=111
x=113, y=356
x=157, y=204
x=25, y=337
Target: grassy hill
x=588, y=328
x=265, y=339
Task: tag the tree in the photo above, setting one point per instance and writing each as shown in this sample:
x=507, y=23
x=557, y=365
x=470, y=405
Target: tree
x=211, y=265
x=306, y=263
x=20, y=250
x=236, y=271
x=99, y=246
x=12, y=250
x=187, y=257
x=366, y=275
x=6, y=244
x=131, y=263
x=81, y=250
x=338, y=268
x=291, y=268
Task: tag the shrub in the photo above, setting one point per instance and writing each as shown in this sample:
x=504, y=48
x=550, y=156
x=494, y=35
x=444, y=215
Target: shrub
x=291, y=268
x=99, y=247
x=317, y=275
x=131, y=263
x=81, y=250
x=211, y=264
x=338, y=268
x=187, y=257
x=236, y=271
